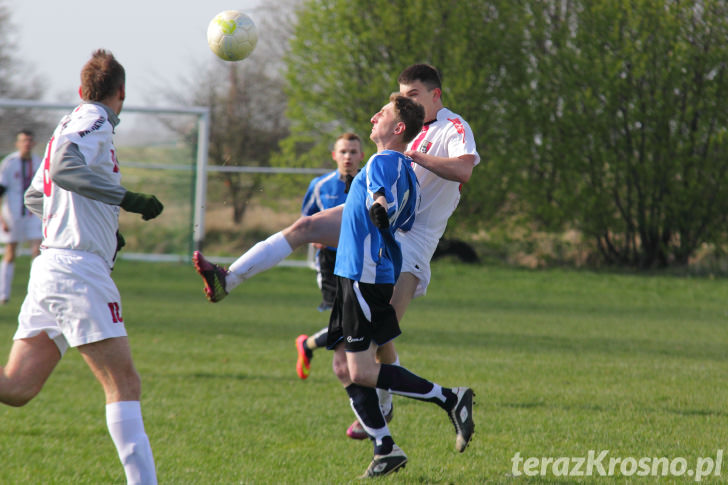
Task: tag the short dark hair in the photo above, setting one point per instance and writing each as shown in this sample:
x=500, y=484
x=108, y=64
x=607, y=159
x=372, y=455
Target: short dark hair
x=101, y=76
x=26, y=132
x=425, y=73
x=410, y=112
x=349, y=136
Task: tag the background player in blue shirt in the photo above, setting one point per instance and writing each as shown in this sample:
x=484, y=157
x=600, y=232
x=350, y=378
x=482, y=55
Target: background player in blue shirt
x=324, y=192
x=382, y=199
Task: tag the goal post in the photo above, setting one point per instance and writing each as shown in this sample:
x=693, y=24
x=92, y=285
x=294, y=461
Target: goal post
x=203, y=129
x=151, y=174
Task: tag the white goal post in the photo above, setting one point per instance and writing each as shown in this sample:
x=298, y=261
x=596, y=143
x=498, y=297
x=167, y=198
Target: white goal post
x=201, y=170
x=203, y=140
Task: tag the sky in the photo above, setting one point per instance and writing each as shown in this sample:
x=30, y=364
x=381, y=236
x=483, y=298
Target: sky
x=159, y=42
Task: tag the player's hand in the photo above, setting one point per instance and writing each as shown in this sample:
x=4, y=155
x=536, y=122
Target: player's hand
x=378, y=215
x=146, y=205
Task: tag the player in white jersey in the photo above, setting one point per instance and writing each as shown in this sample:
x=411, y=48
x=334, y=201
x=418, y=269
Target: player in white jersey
x=72, y=300
x=444, y=158
x=17, y=223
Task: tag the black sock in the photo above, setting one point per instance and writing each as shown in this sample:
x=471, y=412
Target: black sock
x=397, y=379
x=385, y=448
x=307, y=351
x=365, y=402
x=451, y=399
x=320, y=338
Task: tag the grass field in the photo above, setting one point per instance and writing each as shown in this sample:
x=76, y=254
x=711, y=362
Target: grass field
x=562, y=362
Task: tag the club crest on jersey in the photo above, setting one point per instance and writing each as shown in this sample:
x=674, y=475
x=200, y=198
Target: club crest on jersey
x=458, y=126
x=425, y=147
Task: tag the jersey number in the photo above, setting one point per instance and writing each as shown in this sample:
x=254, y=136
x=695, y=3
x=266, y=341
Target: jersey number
x=47, y=182
x=115, y=310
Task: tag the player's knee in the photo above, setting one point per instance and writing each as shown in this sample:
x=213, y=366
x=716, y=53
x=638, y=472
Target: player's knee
x=124, y=387
x=363, y=376
x=341, y=370
x=300, y=232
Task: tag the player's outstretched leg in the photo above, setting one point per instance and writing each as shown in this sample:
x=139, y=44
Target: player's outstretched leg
x=461, y=416
x=213, y=276
x=303, y=365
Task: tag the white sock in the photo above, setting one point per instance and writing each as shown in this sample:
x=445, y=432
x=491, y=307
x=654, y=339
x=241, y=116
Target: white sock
x=126, y=427
x=7, y=270
x=260, y=257
x=385, y=397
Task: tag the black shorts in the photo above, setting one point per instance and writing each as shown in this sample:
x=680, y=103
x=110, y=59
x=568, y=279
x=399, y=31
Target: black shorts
x=361, y=314
x=327, y=283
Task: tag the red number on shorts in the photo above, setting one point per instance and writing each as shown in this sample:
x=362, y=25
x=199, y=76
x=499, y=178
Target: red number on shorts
x=115, y=310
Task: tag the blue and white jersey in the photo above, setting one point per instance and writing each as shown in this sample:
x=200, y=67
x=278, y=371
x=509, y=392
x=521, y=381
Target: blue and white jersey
x=323, y=193
x=364, y=253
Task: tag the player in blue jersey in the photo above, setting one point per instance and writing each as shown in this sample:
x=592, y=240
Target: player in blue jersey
x=324, y=192
x=382, y=199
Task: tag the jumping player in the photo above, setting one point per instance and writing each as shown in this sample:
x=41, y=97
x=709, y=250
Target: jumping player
x=17, y=223
x=382, y=199
x=325, y=192
x=444, y=155
x=72, y=300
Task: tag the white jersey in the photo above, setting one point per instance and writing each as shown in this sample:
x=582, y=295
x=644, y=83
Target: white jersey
x=16, y=175
x=70, y=220
x=448, y=136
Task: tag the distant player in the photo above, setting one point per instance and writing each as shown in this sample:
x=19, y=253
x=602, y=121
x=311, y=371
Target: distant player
x=17, y=223
x=382, y=199
x=72, y=300
x=325, y=192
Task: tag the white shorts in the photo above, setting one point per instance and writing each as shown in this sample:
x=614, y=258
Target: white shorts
x=27, y=228
x=72, y=298
x=418, y=246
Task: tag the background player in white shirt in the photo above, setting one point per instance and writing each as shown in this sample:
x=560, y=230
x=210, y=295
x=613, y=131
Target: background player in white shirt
x=17, y=223
x=72, y=300
x=444, y=158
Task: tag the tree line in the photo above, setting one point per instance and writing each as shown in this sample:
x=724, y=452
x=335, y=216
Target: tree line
x=606, y=117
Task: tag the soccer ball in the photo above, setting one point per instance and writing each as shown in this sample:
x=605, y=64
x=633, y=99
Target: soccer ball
x=232, y=35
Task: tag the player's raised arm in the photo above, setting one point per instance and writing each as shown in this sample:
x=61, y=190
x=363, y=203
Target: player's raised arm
x=457, y=169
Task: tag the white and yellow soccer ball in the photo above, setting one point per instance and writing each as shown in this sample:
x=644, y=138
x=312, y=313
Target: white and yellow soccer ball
x=232, y=35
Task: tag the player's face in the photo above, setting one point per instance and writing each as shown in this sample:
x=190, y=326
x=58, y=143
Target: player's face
x=429, y=99
x=383, y=124
x=348, y=156
x=24, y=144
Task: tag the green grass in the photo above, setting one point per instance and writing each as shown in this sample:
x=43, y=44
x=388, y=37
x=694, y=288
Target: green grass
x=562, y=362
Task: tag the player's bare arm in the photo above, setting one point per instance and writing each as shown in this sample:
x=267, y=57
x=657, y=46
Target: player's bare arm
x=457, y=169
